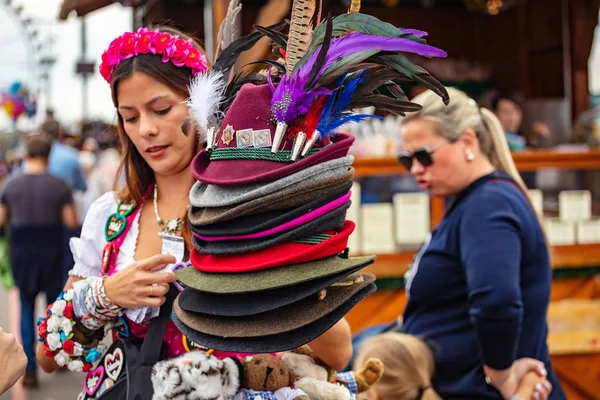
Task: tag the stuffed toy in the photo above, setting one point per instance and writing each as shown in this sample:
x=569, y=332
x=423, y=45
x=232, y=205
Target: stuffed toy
x=195, y=376
x=305, y=364
x=265, y=372
x=322, y=390
x=369, y=375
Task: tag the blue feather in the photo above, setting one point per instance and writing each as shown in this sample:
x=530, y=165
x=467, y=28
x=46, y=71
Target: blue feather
x=331, y=98
x=335, y=111
x=331, y=127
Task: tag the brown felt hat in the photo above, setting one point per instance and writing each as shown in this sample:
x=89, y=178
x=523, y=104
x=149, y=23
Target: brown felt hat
x=280, y=320
x=266, y=279
x=290, y=197
x=279, y=342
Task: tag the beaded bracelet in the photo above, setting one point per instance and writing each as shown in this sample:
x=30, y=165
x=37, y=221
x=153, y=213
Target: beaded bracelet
x=56, y=332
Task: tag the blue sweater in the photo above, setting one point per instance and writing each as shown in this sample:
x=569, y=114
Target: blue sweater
x=479, y=289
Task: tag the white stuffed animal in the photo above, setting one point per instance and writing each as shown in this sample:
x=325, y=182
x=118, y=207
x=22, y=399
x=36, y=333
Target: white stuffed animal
x=195, y=376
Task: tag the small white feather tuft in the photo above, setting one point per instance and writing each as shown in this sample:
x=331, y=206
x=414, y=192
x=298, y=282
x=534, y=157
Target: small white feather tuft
x=206, y=96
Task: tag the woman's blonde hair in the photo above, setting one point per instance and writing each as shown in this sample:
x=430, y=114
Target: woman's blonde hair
x=464, y=113
x=408, y=366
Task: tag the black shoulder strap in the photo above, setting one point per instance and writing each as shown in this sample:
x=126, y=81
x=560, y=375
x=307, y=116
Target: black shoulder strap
x=151, y=347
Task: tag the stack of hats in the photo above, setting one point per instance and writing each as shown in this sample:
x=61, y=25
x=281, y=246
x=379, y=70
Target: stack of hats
x=270, y=268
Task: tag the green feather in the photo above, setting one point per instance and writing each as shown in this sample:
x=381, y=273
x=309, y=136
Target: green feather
x=345, y=64
x=415, y=73
x=355, y=22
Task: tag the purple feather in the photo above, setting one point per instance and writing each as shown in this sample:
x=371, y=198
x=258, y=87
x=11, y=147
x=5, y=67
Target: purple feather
x=290, y=99
x=414, y=32
x=356, y=42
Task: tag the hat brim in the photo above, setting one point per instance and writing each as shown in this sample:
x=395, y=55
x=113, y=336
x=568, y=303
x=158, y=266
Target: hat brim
x=245, y=171
x=299, y=220
x=256, y=281
x=333, y=220
x=260, y=222
x=244, y=304
x=275, y=343
x=205, y=195
x=279, y=320
x=282, y=254
x=290, y=197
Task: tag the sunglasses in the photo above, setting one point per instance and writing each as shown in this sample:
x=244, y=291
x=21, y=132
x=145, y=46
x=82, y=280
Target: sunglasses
x=422, y=155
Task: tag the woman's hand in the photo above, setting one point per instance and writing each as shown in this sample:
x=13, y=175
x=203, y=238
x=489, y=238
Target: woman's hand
x=534, y=387
x=507, y=382
x=139, y=285
x=12, y=361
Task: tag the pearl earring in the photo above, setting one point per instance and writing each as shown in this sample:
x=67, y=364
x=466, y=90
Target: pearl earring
x=470, y=156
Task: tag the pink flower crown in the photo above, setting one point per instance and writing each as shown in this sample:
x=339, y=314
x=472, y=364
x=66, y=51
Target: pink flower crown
x=130, y=44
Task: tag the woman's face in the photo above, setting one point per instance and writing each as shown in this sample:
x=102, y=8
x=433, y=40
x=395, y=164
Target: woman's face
x=445, y=176
x=510, y=115
x=152, y=116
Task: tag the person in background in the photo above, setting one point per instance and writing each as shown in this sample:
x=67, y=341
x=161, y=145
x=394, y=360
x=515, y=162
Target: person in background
x=509, y=112
x=409, y=368
x=37, y=206
x=479, y=287
x=64, y=164
x=64, y=159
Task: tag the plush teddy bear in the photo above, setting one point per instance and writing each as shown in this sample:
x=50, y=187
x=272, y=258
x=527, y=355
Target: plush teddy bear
x=305, y=364
x=267, y=373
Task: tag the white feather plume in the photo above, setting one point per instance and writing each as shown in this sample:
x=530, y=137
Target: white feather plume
x=206, y=95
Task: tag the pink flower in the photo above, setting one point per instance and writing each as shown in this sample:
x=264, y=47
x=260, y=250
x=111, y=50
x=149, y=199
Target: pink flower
x=143, y=44
x=128, y=40
x=106, y=71
x=161, y=41
x=196, y=61
x=111, y=55
x=180, y=51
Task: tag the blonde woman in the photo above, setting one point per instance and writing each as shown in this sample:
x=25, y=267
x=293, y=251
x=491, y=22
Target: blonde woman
x=409, y=370
x=479, y=287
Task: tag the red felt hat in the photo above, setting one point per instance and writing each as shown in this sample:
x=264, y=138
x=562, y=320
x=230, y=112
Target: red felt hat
x=243, y=152
x=283, y=254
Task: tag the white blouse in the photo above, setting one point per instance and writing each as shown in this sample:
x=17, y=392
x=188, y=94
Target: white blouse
x=87, y=249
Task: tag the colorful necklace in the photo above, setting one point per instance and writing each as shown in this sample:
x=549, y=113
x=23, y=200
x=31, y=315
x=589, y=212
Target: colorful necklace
x=172, y=226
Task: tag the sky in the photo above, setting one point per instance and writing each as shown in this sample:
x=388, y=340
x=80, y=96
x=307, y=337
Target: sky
x=102, y=27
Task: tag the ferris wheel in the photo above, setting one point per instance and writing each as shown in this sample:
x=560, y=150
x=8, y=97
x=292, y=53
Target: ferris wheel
x=29, y=59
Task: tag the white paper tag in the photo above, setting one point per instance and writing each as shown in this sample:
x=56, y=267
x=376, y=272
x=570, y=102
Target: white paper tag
x=174, y=246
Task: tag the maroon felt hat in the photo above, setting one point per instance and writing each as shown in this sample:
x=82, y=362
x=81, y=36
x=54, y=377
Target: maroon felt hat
x=243, y=153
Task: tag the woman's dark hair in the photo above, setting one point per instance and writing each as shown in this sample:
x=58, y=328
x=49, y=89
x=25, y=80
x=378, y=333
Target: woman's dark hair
x=138, y=174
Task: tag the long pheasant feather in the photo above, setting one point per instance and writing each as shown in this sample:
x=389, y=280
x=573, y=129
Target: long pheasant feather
x=226, y=33
x=300, y=32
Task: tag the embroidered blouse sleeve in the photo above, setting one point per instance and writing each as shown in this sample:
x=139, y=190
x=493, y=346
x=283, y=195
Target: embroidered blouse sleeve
x=87, y=249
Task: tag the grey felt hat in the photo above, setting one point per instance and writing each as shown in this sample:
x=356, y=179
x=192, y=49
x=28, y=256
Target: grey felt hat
x=267, y=279
x=330, y=221
x=279, y=320
x=260, y=222
x=290, y=197
x=204, y=195
x=278, y=342
x=243, y=304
